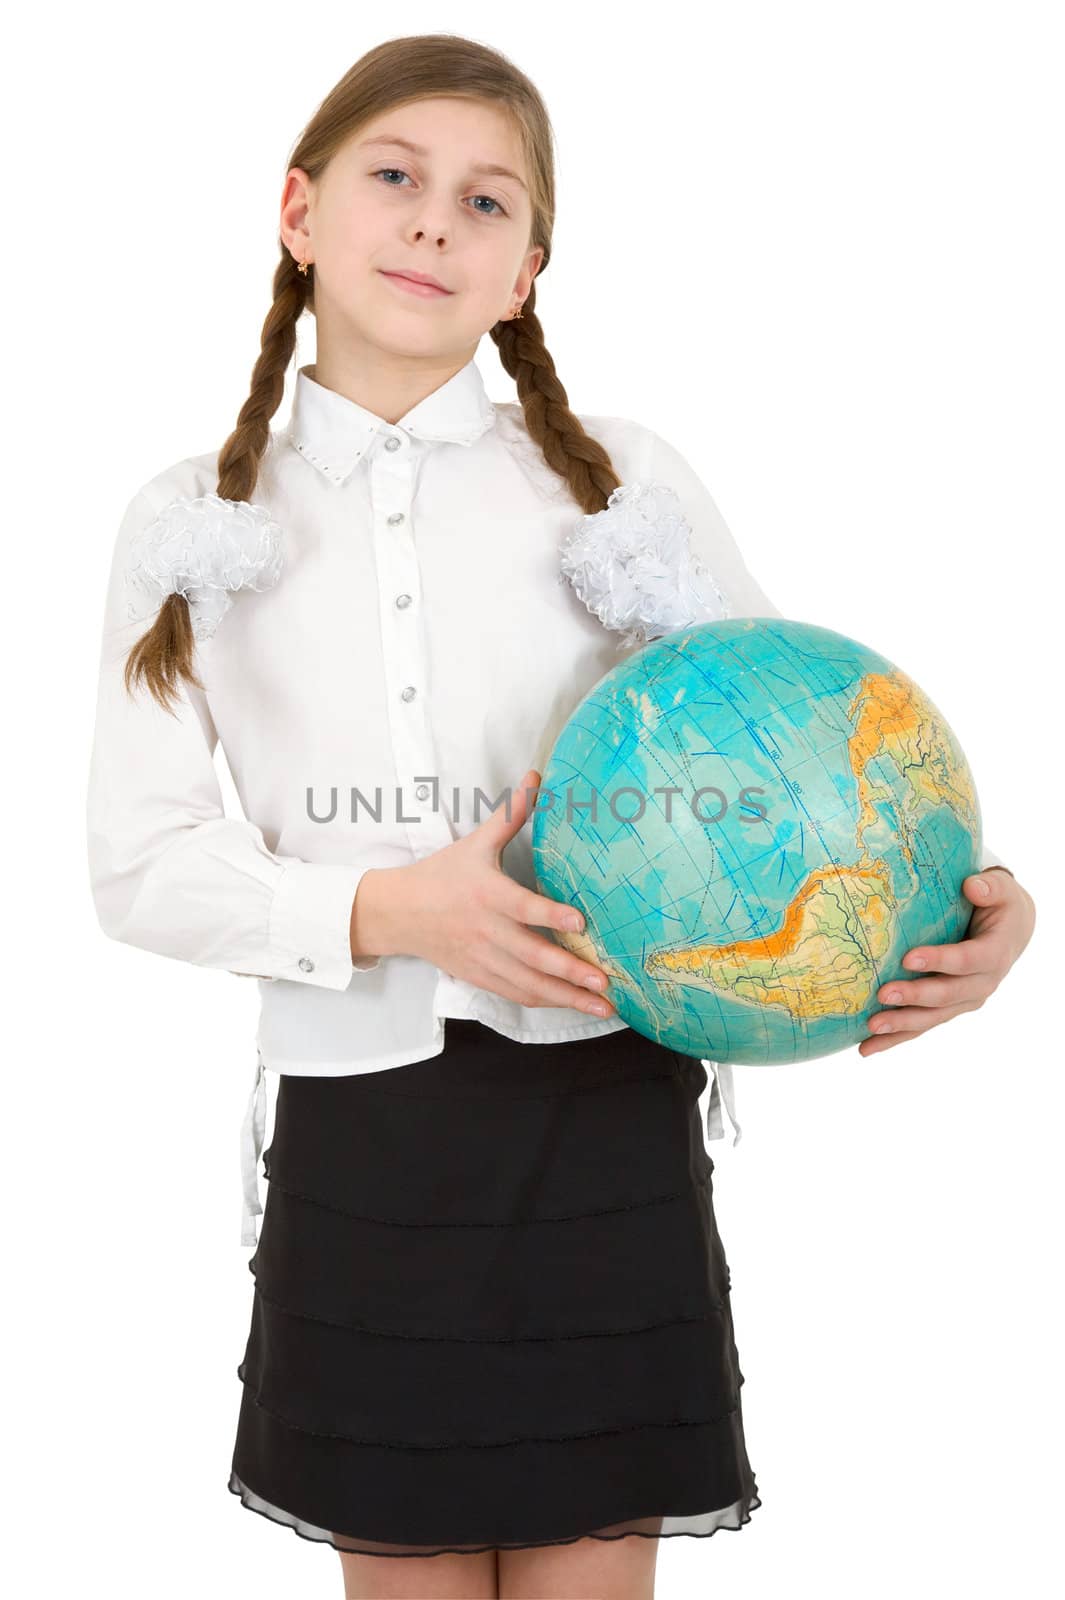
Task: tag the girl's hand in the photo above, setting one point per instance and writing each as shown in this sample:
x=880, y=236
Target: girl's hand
x=460, y=911
x=999, y=929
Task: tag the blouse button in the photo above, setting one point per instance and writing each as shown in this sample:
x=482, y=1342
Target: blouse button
x=422, y=791
x=402, y=601
x=395, y=518
x=409, y=692
x=306, y=964
x=392, y=443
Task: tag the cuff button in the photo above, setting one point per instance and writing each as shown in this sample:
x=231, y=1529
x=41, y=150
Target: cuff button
x=306, y=964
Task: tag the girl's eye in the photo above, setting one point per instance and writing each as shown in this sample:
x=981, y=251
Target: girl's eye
x=398, y=171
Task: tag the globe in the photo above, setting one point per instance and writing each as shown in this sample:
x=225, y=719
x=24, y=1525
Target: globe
x=758, y=818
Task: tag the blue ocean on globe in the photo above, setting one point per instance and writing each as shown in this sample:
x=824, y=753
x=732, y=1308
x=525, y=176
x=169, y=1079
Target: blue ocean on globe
x=758, y=818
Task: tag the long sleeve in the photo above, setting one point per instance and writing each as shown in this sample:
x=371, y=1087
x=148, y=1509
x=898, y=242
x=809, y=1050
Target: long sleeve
x=169, y=871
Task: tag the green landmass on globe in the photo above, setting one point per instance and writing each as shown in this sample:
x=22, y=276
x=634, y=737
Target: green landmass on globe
x=756, y=925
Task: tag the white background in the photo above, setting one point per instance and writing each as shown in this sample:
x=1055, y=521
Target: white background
x=820, y=248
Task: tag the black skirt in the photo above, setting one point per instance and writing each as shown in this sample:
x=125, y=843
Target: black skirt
x=491, y=1305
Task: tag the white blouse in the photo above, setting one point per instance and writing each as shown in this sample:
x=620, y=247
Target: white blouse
x=420, y=644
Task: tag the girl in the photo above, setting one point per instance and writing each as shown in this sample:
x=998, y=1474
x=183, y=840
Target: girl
x=491, y=1331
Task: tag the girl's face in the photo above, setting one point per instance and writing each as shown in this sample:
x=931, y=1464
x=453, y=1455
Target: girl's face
x=381, y=206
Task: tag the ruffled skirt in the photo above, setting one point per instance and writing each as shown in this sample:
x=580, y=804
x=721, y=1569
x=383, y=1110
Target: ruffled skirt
x=491, y=1305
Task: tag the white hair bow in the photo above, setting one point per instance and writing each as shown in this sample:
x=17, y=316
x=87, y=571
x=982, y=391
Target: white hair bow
x=633, y=566
x=204, y=548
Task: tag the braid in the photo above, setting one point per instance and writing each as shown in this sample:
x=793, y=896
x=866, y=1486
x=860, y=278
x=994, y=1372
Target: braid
x=163, y=656
x=566, y=447
x=239, y=457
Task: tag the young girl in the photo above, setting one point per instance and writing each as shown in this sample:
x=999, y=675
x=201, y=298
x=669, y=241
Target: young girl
x=491, y=1330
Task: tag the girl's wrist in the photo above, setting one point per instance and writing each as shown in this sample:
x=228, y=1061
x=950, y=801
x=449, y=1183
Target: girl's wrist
x=367, y=934
x=376, y=927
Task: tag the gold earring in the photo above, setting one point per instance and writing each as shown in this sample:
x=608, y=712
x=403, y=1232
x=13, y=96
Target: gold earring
x=303, y=268
x=517, y=315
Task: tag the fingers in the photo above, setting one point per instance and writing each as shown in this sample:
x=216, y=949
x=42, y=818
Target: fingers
x=913, y=1019
x=538, y=910
x=936, y=991
x=888, y=1035
x=967, y=957
x=526, y=908
x=511, y=815
x=554, y=960
x=509, y=975
x=984, y=888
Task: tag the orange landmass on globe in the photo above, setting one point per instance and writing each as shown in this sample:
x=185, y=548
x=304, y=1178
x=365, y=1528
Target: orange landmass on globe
x=894, y=719
x=821, y=961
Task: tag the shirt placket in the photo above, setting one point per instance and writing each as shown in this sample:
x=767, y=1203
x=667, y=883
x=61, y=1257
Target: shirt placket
x=393, y=472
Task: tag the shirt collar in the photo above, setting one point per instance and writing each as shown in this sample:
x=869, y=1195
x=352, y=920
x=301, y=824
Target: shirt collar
x=334, y=433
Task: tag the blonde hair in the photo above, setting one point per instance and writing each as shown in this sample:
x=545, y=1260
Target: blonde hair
x=395, y=74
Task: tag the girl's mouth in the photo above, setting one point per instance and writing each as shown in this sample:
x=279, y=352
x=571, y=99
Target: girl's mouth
x=426, y=290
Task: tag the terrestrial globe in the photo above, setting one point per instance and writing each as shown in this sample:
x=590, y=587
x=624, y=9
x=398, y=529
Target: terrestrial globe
x=758, y=818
